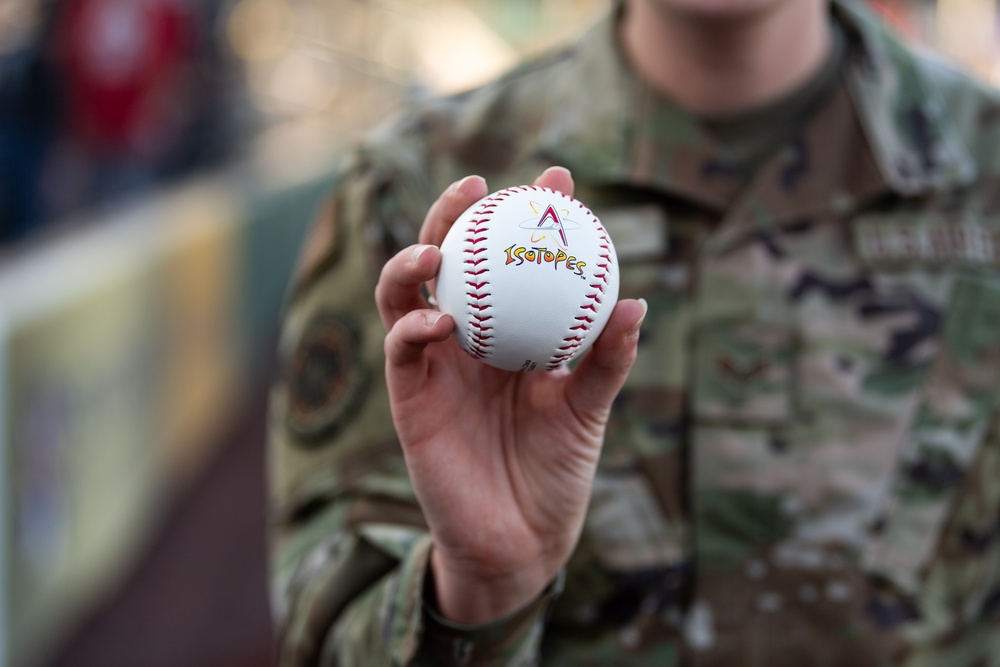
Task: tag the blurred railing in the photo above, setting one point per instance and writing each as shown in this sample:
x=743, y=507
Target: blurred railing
x=126, y=351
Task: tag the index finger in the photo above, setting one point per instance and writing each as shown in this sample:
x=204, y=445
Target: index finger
x=459, y=196
x=556, y=178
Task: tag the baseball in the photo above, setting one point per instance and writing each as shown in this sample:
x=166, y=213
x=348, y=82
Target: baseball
x=530, y=277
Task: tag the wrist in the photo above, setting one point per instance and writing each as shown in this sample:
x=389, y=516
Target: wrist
x=476, y=598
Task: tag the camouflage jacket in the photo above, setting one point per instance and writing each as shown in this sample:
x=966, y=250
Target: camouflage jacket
x=804, y=466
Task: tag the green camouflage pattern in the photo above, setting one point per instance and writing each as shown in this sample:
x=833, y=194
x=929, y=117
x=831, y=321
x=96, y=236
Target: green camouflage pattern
x=803, y=468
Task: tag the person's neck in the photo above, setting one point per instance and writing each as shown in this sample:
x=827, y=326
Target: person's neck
x=720, y=66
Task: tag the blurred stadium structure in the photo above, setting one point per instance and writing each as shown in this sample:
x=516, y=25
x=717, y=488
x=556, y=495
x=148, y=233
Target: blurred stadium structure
x=159, y=163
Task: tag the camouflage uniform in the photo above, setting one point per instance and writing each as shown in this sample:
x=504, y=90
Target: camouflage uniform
x=804, y=466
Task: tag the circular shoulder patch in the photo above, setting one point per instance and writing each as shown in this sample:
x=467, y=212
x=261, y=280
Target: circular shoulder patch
x=326, y=378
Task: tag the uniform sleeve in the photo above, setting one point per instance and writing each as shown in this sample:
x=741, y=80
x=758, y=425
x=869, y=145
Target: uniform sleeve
x=349, y=546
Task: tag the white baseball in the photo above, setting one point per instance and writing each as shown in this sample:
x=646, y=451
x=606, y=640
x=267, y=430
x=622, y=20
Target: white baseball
x=530, y=277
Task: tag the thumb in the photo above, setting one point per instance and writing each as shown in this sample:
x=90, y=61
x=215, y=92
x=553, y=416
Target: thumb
x=602, y=372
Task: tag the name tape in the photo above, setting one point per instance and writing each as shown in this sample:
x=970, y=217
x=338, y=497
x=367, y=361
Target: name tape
x=918, y=238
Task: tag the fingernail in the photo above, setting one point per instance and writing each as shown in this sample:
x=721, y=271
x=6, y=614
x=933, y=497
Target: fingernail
x=559, y=168
x=458, y=185
x=638, y=323
x=432, y=318
x=416, y=252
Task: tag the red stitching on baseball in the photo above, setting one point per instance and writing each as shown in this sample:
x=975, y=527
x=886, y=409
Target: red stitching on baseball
x=478, y=341
x=478, y=345
x=572, y=343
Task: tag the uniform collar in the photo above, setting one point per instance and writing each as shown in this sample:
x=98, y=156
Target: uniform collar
x=916, y=144
x=621, y=131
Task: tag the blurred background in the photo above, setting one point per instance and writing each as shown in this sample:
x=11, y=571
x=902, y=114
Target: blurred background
x=160, y=161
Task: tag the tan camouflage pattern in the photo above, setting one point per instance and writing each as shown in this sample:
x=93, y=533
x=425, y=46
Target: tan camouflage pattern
x=804, y=466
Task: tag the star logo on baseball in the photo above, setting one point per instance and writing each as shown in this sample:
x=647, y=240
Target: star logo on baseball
x=551, y=225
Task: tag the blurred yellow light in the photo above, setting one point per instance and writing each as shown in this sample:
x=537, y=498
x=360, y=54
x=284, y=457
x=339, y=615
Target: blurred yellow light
x=456, y=50
x=260, y=30
x=304, y=81
x=966, y=30
x=18, y=24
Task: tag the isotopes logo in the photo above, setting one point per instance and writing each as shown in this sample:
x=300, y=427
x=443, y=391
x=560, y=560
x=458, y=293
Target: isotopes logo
x=550, y=228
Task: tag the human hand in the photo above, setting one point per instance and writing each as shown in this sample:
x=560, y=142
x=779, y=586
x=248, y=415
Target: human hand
x=502, y=463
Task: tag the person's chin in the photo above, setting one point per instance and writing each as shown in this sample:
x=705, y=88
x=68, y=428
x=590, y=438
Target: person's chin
x=720, y=10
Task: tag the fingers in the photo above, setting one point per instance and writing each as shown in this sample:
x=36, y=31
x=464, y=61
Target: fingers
x=410, y=334
x=602, y=372
x=398, y=289
x=451, y=204
x=556, y=178
x=466, y=192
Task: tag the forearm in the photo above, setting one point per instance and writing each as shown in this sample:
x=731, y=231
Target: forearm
x=316, y=577
x=356, y=604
